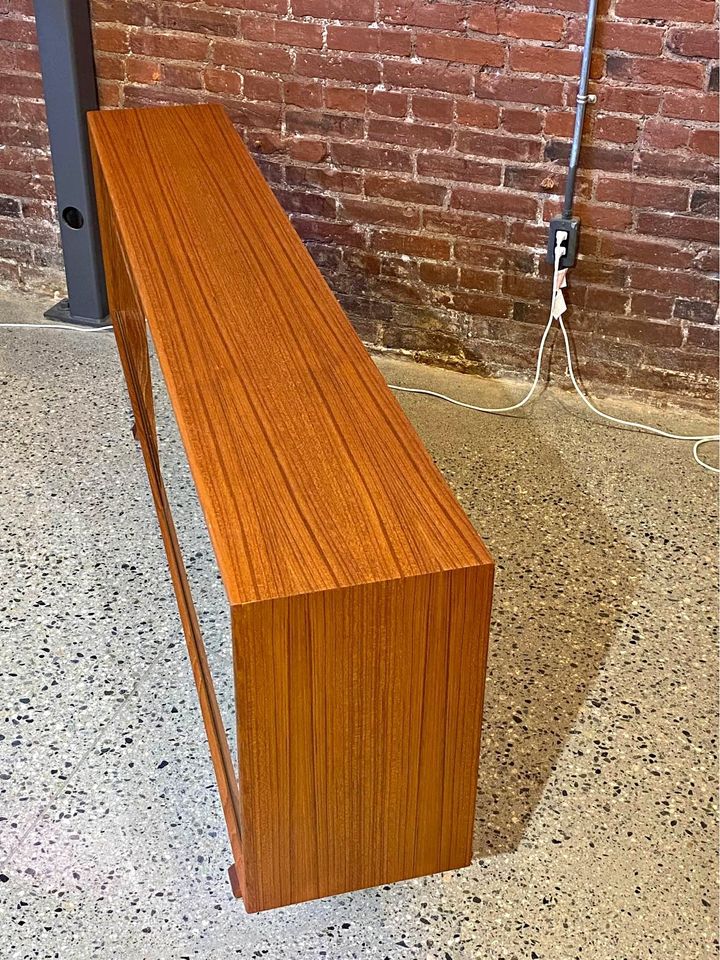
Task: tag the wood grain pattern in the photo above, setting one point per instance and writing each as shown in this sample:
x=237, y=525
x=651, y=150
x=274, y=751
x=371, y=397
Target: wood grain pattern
x=359, y=730
x=310, y=476
x=359, y=591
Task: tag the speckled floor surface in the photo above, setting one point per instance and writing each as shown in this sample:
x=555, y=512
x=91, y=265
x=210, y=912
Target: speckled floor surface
x=596, y=821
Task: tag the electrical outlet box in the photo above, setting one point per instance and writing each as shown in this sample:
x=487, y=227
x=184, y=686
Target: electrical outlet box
x=571, y=226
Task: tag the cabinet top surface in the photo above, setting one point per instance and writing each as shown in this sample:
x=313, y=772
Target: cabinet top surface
x=308, y=472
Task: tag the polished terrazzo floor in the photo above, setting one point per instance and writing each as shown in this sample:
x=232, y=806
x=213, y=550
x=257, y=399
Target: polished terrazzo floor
x=596, y=831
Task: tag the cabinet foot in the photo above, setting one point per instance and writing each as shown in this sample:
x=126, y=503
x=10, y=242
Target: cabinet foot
x=234, y=881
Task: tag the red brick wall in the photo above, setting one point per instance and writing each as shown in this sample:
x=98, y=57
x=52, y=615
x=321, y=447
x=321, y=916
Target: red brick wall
x=420, y=149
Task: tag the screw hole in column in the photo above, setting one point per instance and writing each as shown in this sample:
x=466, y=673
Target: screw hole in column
x=73, y=218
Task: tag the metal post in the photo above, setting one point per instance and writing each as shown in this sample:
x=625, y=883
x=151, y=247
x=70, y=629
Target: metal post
x=581, y=101
x=68, y=71
x=566, y=222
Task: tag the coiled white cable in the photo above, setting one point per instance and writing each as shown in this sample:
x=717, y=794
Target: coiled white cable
x=698, y=441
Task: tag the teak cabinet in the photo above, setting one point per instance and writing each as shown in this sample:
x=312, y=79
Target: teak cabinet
x=359, y=593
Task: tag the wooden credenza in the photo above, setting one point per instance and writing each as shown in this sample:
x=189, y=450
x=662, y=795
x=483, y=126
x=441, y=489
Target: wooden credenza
x=359, y=593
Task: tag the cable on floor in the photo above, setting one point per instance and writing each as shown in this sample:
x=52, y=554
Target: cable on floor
x=57, y=326
x=698, y=441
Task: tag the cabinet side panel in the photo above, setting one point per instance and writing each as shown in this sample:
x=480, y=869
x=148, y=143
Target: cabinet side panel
x=359, y=715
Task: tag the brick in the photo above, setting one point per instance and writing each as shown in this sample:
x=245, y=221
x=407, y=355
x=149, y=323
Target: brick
x=311, y=228
x=674, y=166
x=17, y=31
x=110, y=38
x=223, y=81
x=595, y=158
x=705, y=141
x=688, y=107
x=498, y=147
x=474, y=279
x=638, y=193
x=685, y=42
x=433, y=109
x=455, y=224
x=705, y=202
x=533, y=179
x=382, y=214
x=479, y=52
x=479, y=304
x=601, y=217
x=109, y=93
x=303, y=94
x=307, y=150
x=683, y=228
x=22, y=86
x=440, y=166
x=335, y=180
x=699, y=311
x=9, y=207
x=211, y=23
x=287, y=32
x=704, y=338
x=627, y=99
x=629, y=37
x=545, y=60
x=522, y=121
x=684, y=284
x=428, y=76
x=259, y=87
x=323, y=124
x=616, y=129
x=431, y=248
x=559, y=124
x=251, y=56
x=182, y=75
x=134, y=13
x=659, y=72
x=394, y=42
x=388, y=103
x=498, y=203
x=437, y=274
x=347, y=99
x=683, y=11
x=405, y=191
x=315, y=204
x=639, y=250
x=537, y=91
x=170, y=47
x=652, y=305
x=370, y=157
x=662, y=134
x=363, y=10
x=424, y=13
x=524, y=25
x=409, y=134
x=471, y=113
x=338, y=67
x=142, y=71
x=109, y=67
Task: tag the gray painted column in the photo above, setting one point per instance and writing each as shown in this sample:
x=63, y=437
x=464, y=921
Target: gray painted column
x=68, y=71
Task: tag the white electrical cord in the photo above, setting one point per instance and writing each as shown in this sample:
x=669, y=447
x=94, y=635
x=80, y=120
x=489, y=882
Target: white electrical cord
x=559, y=252
x=57, y=326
